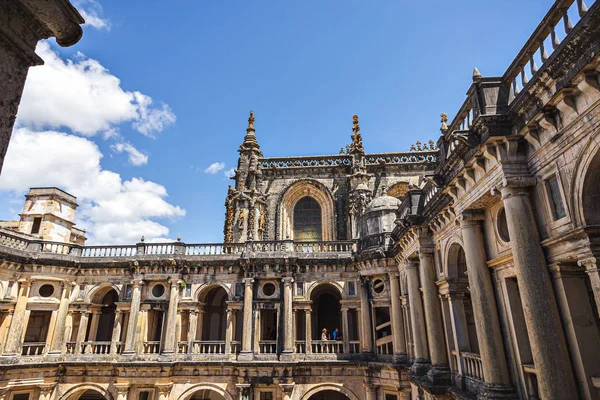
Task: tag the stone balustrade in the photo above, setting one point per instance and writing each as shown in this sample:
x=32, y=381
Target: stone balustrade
x=472, y=364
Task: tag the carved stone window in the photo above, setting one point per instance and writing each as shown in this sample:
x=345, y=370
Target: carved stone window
x=307, y=220
x=46, y=290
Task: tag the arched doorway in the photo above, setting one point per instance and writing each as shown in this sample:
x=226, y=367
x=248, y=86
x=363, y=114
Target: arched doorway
x=214, y=321
x=101, y=322
x=591, y=192
x=308, y=226
x=107, y=316
x=206, y=394
x=466, y=332
x=328, y=395
x=326, y=311
x=91, y=394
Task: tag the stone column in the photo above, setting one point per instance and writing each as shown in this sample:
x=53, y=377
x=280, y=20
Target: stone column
x=58, y=339
x=122, y=390
x=489, y=335
x=591, y=268
x=15, y=334
x=288, y=334
x=460, y=331
x=345, y=330
x=132, y=326
x=397, y=322
x=548, y=345
x=81, y=331
x=308, y=326
x=365, y=313
x=192, y=325
x=228, y=330
x=94, y=325
x=371, y=392
x=417, y=320
x=439, y=372
x=116, y=333
x=169, y=342
x=246, y=353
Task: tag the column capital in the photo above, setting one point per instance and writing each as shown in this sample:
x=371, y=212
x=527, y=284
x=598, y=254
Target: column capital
x=164, y=387
x=471, y=217
x=287, y=387
x=588, y=262
x=122, y=388
x=137, y=282
x=288, y=280
x=426, y=251
x=516, y=186
x=370, y=388
x=47, y=388
x=248, y=281
x=176, y=282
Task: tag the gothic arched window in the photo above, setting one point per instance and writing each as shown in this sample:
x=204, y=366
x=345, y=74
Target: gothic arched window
x=307, y=220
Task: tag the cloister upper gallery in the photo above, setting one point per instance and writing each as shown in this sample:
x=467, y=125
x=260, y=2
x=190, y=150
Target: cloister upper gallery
x=463, y=268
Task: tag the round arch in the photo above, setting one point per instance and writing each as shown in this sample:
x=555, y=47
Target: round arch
x=97, y=293
x=329, y=386
x=203, y=290
x=451, y=253
x=590, y=156
x=75, y=392
x=205, y=386
x=319, y=284
x=295, y=192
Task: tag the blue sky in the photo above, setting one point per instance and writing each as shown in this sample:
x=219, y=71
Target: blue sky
x=304, y=67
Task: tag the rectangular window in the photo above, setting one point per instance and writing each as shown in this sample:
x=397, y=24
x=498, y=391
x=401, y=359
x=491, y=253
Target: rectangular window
x=390, y=397
x=351, y=289
x=556, y=202
x=188, y=290
x=21, y=396
x=128, y=290
x=266, y=396
x=144, y=395
x=300, y=289
x=35, y=229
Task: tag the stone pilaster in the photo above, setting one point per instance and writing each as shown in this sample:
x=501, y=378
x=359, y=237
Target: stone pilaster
x=308, y=325
x=169, y=342
x=288, y=333
x=397, y=322
x=345, y=330
x=46, y=390
x=421, y=361
x=82, y=330
x=371, y=392
x=554, y=371
x=365, y=313
x=133, y=324
x=246, y=353
x=164, y=390
x=228, y=330
x=489, y=335
x=591, y=268
x=192, y=326
x=122, y=390
x=116, y=333
x=58, y=339
x=13, y=343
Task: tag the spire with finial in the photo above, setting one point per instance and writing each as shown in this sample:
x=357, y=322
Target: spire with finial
x=356, y=136
x=476, y=75
x=250, y=138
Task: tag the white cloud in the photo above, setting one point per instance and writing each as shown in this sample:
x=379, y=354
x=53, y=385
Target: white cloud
x=229, y=173
x=83, y=96
x=91, y=11
x=214, y=168
x=112, y=210
x=135, y=156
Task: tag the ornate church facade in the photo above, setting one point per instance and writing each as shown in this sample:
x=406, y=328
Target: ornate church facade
x=461, y=269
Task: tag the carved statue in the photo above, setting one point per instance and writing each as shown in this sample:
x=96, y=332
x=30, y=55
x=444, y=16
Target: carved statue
x=241, y=220
x=261, y=220
x=444, y=121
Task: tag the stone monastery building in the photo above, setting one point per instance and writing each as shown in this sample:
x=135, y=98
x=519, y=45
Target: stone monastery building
x=465, y=268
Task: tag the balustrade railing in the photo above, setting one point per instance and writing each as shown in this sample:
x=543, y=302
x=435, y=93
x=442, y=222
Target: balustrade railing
x=556, y=26
x=267, y=346
x=324, y=247
x=13, y=241
x=327, y=346
x=235, y=347
x=300, y=346
x=412, y=157
x=209, y=249
x=208, y=347
x=109, y=251
x=473, y=366
x=354, y=346
x=33, y=348
x=56, y=248
x=159, y=248
x=95, y=347
x=267, y=246
x=152, y=347
x=385, y=348
x=183, y=347
x=70, y=347
x=453, y=361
